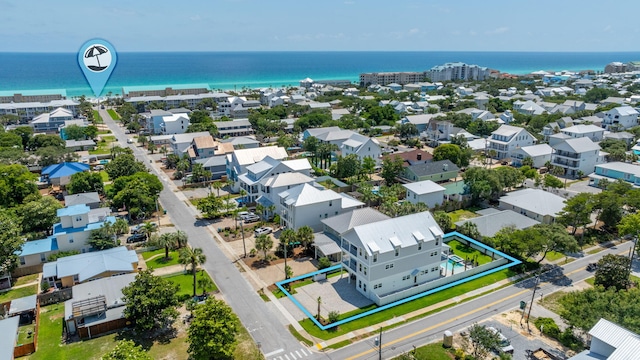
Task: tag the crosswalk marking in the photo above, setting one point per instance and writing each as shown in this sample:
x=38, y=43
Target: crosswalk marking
x=293, y=355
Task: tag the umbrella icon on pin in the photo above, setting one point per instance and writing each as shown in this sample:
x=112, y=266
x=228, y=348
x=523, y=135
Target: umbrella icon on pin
x=95, y=51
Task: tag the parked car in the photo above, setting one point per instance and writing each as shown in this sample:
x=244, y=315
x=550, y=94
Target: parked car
x=251, y=218
x=505, y=345
x=592, y=267
x=136, y=238
x=136, y=229
x=129, y=141
x=98, y=167
x=262, y=230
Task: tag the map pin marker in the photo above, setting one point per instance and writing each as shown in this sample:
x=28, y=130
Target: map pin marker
x=97, y=59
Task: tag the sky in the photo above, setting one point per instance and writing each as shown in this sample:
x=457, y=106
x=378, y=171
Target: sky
x=327, y=25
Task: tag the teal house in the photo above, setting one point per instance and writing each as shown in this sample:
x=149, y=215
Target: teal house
x=616, y=171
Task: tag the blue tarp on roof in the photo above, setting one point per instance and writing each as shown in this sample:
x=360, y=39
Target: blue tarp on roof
x=64, y=169
x=39, y=246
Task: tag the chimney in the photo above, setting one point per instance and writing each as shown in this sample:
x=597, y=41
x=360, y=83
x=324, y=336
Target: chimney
x=419, y=156
x=445, y=167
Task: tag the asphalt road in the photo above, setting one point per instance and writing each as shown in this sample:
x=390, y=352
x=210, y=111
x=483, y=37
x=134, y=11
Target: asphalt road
x=431, y=328
x=262, y=323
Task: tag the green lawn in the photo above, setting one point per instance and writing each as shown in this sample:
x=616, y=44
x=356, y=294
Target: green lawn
x=25, y=279
x=96, y=117
x=103, y=147
x=18, y=293
x=432, y=352
x=114, y=115
x=23, y=334
x=104, y=176
x=461, y=215
x=465, y=252
x=104, y=132
x=186, y=282
x=50, y=334
x=160, y=261
x=148, y=254
x=554, y=255
x=405, y=308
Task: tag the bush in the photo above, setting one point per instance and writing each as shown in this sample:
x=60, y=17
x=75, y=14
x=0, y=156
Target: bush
x=459, y=354
x=333, y=316
x=44, y=286
x=183, y=297
x=568, y=339
x=548, y=327
x=324, y=263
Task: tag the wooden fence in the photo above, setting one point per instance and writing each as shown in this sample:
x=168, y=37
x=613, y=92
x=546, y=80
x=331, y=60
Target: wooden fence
x=55, y=297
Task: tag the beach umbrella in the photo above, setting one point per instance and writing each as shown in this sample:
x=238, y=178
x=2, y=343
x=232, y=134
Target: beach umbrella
x=95, y=51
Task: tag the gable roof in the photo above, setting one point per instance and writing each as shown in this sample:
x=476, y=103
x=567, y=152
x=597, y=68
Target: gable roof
x=39, y=246
x=252, y=156
x=537, y=150
x=81, y=199
x=203, y=142
x=577, y=145
x=307, y=194
x=582, y=129
x=286, y=179
x=411, y=157
x=424, y=187
x=88, y=265
x=508, y=130
x=535, y=200
x=490, y=224
x=612, y=334
x=383, y=236
x=435, y=167
x=347, y=221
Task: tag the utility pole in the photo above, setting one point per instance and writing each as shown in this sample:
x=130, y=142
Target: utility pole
x=244, y=246
x=380, y=345
x=535, y=286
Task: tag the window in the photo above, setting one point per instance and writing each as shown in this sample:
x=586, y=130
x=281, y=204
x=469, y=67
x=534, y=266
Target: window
x=360, y=283
x=406, y=277
x=397, y=252
x=364, y=288
x=43, y=258
x=22, y=262
x=365, y=270
x=420, y=246
x=377, y=286
x=75, y=278
x=375, y=257
x=330, y=203
x=78, y=218
x=434, y=269
x=359, y=251
x=326, y=215
x=360, y=267
x=388, y=266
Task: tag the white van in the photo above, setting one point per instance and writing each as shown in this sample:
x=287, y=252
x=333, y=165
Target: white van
x=129, y=141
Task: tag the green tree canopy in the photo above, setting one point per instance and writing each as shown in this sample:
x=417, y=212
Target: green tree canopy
x=150, y=301
x=348, y=166
x=16, y=183
x=42, y=140
x=127, y=350
x=583, y=309
x=85, y=182
x=613, y=272
x=74, y=132
x=577, y=211
x=124, y=165
x=212, y=332
x=11, y=241
x=39, y=215
x=391, y=169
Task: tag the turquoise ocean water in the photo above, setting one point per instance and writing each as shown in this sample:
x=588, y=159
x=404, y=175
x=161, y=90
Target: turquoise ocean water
x=229, y=70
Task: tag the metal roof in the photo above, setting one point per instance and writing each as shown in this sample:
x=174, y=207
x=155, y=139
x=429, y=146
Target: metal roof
x=490, y=224
x=536, y=201
x=88, y=265
x=39, y=246
x=325, y=244
x=23, y=304
x=611, y=333
x=347, y=221
x=64, y=169
x=9, y=331
x=424, y=187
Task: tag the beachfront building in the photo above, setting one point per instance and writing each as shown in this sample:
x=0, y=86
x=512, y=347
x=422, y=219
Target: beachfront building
x=536, y=204
x=183, y=100
x=26, y=96
x=250, y=180
x=426, y=192
x=577, y=156
x=71, y=233
x=506, y=139
x=237, y=127
x=616, y=171
x=457, y=71
x=164, y=90
x=28, y=110
x=620, y=118
x=386, y=78
x=307, y=204
x=392, y=255
x=51, y=121
x=76, y=269
x=539, y=155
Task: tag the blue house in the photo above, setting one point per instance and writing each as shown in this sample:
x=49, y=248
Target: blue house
x=616, y=171
x=60, y=174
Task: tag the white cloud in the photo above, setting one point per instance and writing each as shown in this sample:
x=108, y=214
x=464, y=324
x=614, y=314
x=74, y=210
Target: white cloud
x=608, y=29
x=413, y=31
x=195, y=18
x=500, y=30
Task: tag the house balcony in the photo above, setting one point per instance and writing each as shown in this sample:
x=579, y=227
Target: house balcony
x=565, y=163
x=567, y=154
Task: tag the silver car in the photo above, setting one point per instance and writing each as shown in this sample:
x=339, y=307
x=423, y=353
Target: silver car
x=262, y=230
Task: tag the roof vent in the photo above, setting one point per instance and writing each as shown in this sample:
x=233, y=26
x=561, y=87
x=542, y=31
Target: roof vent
x=445, y=167
x=419, y=156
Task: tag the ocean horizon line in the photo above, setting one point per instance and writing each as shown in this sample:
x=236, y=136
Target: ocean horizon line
x=335, y=51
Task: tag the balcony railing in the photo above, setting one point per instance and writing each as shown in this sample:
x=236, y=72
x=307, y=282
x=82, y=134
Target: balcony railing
x=567, y=154
x=571, y=164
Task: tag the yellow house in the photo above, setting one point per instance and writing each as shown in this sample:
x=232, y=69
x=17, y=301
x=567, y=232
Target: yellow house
x=71, y=270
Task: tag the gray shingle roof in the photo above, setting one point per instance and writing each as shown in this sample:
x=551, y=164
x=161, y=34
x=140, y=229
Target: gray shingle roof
x=347, y=221
x=434, y=167
x=490, y=224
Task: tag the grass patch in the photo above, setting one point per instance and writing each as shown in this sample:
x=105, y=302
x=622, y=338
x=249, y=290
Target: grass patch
x=591, y=281
x=279, y=294
x=343, y=343
x=25, y=279
x=114, y=115
x=97, y=119
x=50, y=335
x=246, y=348
x=104, y=176
x=432, y=352
x=405, y=308
x=103, y=146
x=461, y=215
x=465, y=252
x=595, y=251
x=104, y=132
x=185, y=281
x=554, y=255
x=18, y=293
x=26, y=333
x=301, y=338
x=149, y=254
x=161, y=261
x=552, y=301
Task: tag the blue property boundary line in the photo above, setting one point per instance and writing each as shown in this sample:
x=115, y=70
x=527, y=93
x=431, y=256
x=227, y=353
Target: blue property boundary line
x=512, y=262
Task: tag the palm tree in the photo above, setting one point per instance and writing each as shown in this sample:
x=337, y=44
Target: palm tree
x=264, y=244
x=180, y=238
x=305, y=236
x=287, y=237
x=148, y=228
x=205, y=283
x=121, y=226
x=194, y=258
x=218, y=185
x=166, y=241
x=260, y=210
x=271, y=209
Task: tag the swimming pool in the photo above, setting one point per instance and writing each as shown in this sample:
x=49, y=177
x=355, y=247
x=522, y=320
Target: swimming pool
x=450, y=264
x=456, y=258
